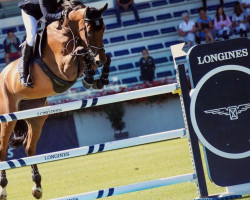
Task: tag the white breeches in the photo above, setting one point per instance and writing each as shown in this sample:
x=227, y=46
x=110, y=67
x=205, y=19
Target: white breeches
x=30, y=24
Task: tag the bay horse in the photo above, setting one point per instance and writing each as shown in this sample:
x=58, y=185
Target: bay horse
x=70, y=46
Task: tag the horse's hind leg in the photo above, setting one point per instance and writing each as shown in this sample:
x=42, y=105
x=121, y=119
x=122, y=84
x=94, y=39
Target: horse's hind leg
x=6, y=130
x=34, y=131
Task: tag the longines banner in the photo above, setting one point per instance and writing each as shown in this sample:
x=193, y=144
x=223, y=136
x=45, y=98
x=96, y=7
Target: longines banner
x=220, y=107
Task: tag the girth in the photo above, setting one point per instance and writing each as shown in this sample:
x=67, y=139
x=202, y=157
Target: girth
x=59, y=85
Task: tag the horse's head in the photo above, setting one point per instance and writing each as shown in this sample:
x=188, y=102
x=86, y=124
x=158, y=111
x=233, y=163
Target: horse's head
x=91, y=30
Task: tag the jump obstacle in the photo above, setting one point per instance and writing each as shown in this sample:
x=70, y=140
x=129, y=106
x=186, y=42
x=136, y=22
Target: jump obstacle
x=81, y=151
x=86, y=150
x=88, y=103
x=132, y=188
x=181, y=88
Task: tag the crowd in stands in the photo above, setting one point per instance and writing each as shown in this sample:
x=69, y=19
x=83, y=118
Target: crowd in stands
x=221, y=25
x=125, y=5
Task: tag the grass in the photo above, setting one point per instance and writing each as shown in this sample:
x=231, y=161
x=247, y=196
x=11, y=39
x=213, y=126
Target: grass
x=110, y=169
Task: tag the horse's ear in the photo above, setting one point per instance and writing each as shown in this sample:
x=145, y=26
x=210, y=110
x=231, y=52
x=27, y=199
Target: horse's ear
x=87, y=12
x=103, y=8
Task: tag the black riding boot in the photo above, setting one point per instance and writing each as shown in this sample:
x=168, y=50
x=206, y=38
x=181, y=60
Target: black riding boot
x=25, y=78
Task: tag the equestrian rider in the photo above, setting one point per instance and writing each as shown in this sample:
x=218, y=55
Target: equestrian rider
x=32, y=12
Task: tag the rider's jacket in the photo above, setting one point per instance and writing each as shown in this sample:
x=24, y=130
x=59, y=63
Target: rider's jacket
x=49, y=9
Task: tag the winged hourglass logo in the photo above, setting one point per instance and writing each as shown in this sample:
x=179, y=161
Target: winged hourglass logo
x=232, y=111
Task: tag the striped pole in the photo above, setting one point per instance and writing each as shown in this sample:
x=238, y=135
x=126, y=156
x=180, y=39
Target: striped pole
x=132, y=188
x=88, y=103
x=81, y=151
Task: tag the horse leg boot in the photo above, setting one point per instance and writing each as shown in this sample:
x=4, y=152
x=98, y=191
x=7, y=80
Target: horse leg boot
x=104, y=79
x=25, y=77
x=88, y=80
x=105, y=71
x=6, y=130
x=34, y=132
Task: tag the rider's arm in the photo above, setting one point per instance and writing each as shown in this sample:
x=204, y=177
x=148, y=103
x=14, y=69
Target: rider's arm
x=45, y=6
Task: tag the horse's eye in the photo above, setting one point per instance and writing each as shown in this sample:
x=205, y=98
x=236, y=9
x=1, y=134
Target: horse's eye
x=90, y=32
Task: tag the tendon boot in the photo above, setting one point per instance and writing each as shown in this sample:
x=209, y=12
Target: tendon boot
x=88, y=80
x=25, y=77
x=105, y=71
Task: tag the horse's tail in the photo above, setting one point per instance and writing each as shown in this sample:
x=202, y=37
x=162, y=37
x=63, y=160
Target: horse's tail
x=20, y=134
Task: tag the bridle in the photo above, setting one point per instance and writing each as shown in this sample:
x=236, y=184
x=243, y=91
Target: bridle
x=88, y=54
x=97, y=22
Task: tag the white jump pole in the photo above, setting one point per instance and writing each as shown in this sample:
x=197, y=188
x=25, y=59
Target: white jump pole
x=88, y=103
x=81, y=151
x=132, y=188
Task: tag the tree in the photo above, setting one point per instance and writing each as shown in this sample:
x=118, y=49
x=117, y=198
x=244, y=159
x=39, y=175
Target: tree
x=115, y=113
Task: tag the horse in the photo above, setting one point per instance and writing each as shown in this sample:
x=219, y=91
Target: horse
x=69, y=47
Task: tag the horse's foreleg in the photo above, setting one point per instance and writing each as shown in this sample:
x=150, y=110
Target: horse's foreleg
x=105, y=71
x=6, y=130
x=88, y=80
x=35, y=128
x=73, y=64
x=104, y=79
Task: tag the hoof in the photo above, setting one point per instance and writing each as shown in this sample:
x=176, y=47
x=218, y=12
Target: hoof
x=3, y=197
x=86, y=84
x=37, y=192
x=97, y=84
x=3, y=194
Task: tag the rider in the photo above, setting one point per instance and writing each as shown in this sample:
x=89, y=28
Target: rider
x=32, y=12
